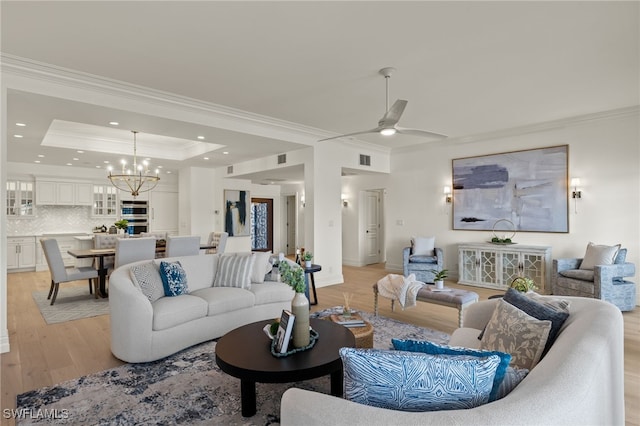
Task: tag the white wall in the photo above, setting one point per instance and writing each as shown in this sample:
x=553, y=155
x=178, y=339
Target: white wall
x=604, y=153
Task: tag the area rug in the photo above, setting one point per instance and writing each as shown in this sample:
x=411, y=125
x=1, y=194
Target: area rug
x=72, y=303
x=185, y=388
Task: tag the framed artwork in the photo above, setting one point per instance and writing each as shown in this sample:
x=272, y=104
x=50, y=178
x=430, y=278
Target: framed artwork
x=528, y=188
x=237, y=213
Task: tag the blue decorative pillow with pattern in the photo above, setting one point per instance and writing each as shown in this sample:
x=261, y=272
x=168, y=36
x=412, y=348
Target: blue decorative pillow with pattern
x=426, y=347
x=411, y=381
x=174, y=278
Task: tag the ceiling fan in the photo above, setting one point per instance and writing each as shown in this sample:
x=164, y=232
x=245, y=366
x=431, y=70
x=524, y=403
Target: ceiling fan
x=387, y=125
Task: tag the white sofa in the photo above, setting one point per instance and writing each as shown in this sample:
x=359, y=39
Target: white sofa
x=580, y=381
x=142, y=331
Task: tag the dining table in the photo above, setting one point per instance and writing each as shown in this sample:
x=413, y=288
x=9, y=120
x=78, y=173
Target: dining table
x=100, y=254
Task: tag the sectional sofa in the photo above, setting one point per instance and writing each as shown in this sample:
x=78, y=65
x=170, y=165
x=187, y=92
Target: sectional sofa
x=580, y=381
x=144, y=329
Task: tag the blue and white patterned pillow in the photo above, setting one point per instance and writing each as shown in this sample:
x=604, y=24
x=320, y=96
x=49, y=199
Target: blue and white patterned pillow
x=411, y=381
x=147, y=277
x=174, y=278
x=427, y=347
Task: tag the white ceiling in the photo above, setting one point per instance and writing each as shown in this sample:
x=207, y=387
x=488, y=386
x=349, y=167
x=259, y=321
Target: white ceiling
x=466, y=68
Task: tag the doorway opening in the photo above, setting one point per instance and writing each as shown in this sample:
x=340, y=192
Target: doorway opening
x=291, y=225
x=262, y=224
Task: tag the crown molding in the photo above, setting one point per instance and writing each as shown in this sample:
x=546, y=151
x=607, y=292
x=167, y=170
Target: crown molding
x=537, y=127
x=28, y=68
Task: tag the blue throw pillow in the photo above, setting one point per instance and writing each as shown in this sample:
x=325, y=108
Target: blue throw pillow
x=426, y=347
x=538, y=311
x=174, y=278
x=410, y=381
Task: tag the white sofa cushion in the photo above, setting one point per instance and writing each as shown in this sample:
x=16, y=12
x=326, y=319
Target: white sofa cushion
x=234, y=270
x=225, y=299
x=171, y=311
x=271, y=291
x=200, y=269
x=261, y=266
x=147, y=277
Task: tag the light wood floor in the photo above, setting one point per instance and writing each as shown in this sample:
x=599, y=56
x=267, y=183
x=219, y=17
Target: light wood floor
x=43, y=355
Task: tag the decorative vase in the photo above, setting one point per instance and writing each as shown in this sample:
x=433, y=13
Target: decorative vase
x=307, y=264
x=300, y=308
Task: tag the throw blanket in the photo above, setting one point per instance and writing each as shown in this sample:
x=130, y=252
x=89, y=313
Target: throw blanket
x=400, y=288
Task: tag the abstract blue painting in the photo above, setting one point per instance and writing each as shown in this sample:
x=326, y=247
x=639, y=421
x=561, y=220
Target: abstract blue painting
x=528, y=188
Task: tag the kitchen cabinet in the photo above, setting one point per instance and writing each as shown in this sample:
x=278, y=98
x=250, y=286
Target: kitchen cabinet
x=105, y=201
x=20, y=198
x=496, y=266
x=163, y=215
x=64, y=193
x=21, y=253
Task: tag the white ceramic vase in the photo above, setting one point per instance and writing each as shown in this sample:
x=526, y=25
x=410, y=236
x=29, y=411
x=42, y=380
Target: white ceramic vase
x=307, y=264
x=300, y=308
x=440, y=284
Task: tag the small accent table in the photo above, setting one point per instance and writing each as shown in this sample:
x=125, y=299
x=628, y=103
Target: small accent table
x=308, y=272
x=245, y=353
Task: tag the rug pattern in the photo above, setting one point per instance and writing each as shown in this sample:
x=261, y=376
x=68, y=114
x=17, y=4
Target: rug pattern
x=71, y=304
x=185, y=388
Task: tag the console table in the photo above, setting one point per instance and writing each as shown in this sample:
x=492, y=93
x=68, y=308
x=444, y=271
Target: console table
x=496, y=266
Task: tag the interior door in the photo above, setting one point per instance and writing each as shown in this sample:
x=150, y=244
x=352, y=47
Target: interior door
x=291, y=225
x=372, y=226
x=262, y=224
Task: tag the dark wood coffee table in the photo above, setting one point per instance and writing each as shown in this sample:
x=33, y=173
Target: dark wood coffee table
x=245, y=353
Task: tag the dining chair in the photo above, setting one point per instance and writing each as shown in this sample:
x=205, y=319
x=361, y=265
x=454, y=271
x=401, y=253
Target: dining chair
x=60, y=274
x=219, y=241
x=105, y=241
x=156, y=235
x=129, y=250
x=184, y=245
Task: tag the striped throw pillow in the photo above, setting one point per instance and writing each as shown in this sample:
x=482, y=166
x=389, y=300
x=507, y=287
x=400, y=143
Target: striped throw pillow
x=234, y=271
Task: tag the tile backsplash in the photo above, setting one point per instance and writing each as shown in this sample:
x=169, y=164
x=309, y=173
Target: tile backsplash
x=57, y=220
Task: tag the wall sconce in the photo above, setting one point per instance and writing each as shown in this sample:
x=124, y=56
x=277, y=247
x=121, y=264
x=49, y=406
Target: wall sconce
x=302, y=200
x=447, y=194
x=575, y=194
x=575, y=182
x=345, y=202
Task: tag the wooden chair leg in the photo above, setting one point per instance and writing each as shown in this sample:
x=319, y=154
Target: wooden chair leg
x=50, y=290
x=96, y=290
x=55, y=293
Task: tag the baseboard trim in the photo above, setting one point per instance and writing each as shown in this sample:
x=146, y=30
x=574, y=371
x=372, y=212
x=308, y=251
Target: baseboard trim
x=4, y=341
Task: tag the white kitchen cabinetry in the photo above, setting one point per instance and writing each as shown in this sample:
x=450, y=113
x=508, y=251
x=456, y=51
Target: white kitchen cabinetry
x=65, y=242
x=64, y=193
x=496, y=266
x=20, y=197
x=105, y=201
x=163, y=215
x=21, y=253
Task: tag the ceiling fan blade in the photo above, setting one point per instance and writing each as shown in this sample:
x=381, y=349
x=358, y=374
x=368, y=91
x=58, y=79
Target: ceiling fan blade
x=376, y=130
x=417, y=132
x=393, y=115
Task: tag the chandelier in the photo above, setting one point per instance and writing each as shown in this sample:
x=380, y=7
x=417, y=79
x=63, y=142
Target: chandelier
x=137, y=179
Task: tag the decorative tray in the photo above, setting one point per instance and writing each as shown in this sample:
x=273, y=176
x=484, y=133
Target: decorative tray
x=313, y=337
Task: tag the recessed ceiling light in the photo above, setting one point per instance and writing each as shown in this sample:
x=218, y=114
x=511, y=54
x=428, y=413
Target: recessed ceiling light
x=98, y=167
x=206, y=158
x=106, y=161
x=41, y=155
x=201, y=137
x=18, y=136
x=159, y=167
x=69, y=164
x=37, y=161
x=76, y=159
x=225, y=152
x=114, y=123
x=168, y=172
x=80, y=151
x=20, y=124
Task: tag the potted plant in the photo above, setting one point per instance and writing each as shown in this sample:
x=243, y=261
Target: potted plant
x=307, y=256
x=439, y=276
x=122, y=225
x=523, y=284
x=294, y=276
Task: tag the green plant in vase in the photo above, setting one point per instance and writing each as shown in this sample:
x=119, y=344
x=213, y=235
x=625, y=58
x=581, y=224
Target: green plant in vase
x=523, y=284
x=439, y=276
x=292, y=276
x=122, y=224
